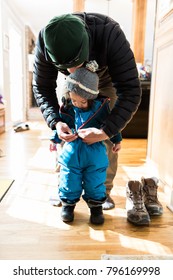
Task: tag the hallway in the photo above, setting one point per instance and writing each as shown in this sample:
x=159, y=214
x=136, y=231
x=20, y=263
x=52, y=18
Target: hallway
x=31, y=227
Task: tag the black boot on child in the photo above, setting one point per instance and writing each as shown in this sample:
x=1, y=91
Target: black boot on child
x=67, y=213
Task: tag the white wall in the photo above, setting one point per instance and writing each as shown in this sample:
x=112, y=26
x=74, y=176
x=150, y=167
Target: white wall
x=1, y=51
x=150, y=27
x=8, y=17
x=160, y=139
x=122, y=12
x=119, y=10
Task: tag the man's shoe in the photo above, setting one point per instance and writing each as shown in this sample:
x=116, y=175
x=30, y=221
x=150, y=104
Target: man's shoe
x=55, y=201
x=150, y=186
x=136, y=210
x=96, y=217
x=67, y=213
x=108, y=204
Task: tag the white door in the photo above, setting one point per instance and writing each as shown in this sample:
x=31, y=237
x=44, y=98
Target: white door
x=16, y=76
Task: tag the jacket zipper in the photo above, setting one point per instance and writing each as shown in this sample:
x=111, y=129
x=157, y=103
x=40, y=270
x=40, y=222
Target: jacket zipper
x=94, y=113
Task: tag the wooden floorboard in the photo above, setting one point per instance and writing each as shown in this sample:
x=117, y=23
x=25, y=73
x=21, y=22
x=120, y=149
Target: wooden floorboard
x=31, y=228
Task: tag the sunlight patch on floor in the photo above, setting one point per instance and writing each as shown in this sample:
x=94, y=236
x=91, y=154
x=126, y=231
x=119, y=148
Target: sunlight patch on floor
x=43, y=159
x=97, y=235
x=119, y=212
x=35, y=211
x=144, y=245
x=136, y=172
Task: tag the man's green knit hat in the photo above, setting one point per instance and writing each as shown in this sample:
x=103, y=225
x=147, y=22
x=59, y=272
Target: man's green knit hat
x=66, y=41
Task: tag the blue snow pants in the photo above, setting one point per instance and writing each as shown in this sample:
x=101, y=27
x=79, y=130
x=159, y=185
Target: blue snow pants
x=83, y=171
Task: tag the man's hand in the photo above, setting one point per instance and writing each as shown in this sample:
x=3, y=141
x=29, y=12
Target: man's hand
x=92, y=135
x=65, y=133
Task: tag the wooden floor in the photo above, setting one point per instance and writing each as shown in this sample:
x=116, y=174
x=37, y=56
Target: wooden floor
x=31, y=228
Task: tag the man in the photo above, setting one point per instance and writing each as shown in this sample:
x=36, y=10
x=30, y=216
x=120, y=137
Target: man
x=65, y=44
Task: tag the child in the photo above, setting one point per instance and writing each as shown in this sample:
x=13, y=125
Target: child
x=83, y=166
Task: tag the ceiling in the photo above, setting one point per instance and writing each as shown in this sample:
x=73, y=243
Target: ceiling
x=37, y=13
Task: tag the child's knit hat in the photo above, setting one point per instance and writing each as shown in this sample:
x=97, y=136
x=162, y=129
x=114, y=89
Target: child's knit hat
x=84, y=81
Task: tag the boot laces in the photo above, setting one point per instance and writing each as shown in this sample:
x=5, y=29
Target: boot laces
x=151, y=193
x=137, y=199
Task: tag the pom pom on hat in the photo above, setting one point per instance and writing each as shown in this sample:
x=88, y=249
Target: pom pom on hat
x=84, y=81
x=66, y=41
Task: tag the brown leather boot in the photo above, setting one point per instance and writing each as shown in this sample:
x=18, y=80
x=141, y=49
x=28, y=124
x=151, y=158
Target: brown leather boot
x=153, y=205
x=136, y=210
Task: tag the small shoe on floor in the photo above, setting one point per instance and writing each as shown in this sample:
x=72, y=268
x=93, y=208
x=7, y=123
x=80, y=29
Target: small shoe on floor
x=55, y=201
x=108, y=204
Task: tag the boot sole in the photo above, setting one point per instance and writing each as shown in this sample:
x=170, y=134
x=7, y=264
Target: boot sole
x=141, y=223
x=67, y=221
x=97, y=223
x=155, y=213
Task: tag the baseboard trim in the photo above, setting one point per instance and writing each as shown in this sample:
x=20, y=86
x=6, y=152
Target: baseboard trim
x=170, y=207
x=136, y=257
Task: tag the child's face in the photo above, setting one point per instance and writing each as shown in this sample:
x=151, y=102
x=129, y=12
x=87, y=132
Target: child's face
x=78, y=101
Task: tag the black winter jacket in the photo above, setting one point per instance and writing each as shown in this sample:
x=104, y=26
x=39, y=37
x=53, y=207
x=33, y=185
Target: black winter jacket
x=67, y=115
x=110, y=48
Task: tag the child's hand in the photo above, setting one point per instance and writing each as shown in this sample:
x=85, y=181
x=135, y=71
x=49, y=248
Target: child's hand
x=65, y=133
x=116, y=147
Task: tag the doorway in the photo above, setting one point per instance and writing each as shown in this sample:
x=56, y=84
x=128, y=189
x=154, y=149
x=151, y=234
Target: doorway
x=16, y=74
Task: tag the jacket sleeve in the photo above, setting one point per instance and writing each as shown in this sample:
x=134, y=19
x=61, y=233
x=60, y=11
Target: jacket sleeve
x=117, y=138
x=124, y=75
x=54, y=137
x=44, y=85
